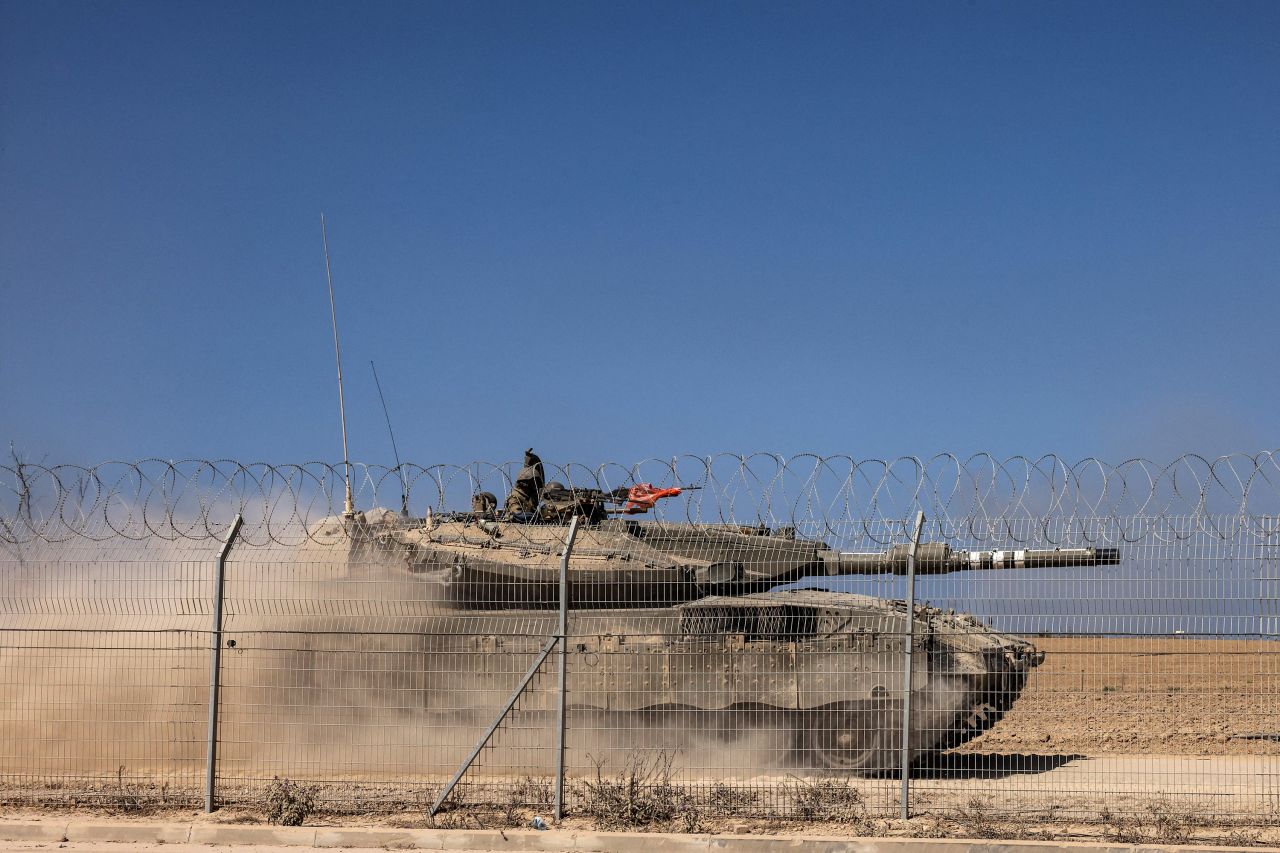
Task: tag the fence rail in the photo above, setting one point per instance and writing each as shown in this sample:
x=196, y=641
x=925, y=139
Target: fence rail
x=369, y=656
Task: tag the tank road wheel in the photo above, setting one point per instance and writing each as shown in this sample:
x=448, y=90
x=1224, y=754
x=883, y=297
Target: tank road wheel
x=858, y=737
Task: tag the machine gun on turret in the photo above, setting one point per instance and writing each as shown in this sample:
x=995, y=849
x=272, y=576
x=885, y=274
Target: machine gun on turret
x=560, y=502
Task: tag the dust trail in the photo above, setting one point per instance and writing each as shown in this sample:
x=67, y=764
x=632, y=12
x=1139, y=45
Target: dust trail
x=331, y=668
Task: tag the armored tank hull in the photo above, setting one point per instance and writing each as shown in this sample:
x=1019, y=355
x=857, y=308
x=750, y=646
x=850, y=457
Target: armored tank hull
x=685, y=619
x=826, y=666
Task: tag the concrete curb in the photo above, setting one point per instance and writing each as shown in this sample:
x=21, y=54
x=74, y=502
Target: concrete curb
x=522, y=840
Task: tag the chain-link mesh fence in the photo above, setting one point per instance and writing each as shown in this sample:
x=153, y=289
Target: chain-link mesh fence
x=1087, y=640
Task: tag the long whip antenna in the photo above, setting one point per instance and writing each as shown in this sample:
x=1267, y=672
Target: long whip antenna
x=349, y=508
x=404, y=485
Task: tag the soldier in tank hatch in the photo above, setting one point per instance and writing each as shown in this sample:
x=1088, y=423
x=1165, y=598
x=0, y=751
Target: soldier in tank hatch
x=527, y=491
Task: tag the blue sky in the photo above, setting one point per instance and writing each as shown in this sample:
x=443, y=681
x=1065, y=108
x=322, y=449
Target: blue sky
x=613, y=231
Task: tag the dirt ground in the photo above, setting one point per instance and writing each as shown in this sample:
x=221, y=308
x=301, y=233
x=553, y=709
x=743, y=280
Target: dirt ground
x=1158, y=823
x=1102, y=696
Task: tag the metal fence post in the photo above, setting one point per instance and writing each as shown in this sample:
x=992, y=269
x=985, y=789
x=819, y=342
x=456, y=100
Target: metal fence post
x=906, y=674
x=215, y=666
x=528, y=677
x=564, y=631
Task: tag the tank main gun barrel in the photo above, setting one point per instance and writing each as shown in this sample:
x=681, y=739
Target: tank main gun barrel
x=937, y=558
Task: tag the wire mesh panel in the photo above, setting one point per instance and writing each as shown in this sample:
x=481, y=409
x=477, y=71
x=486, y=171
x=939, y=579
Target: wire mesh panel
x=1082, y=640
x=739, y=694
x=104, y=669
x=1153, y=689
x=347, y=669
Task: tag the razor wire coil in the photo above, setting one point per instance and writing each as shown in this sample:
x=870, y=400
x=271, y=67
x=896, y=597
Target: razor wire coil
x=978, y=496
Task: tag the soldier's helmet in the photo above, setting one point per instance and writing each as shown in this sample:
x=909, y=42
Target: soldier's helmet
x=484, y=504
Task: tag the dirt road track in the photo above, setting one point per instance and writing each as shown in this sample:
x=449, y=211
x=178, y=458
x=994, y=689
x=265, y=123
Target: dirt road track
x=1222, y=785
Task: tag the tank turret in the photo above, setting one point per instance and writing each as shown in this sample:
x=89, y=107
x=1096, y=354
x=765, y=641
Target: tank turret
x=627, y=563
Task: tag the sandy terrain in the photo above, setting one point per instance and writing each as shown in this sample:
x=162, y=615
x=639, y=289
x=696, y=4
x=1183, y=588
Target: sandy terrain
x=1103, y=696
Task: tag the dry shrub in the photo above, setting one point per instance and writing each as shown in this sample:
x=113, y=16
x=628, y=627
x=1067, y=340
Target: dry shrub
x=641, y=794
x=288, y=803
x=832, y=800
x=1158, y=822
x=134, y=797
x=729, y=801
x=493, y=805
x=528, y=793
x=977, y=821
x=127, y=797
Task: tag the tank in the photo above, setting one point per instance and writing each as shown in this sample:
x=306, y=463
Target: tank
x=689, y=619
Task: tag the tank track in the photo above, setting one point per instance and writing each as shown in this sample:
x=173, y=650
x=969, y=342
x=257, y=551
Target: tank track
x=990, y=706
x=864, y=738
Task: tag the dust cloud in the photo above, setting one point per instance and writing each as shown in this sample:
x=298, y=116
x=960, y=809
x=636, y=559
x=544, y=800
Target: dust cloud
x=330, y=668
